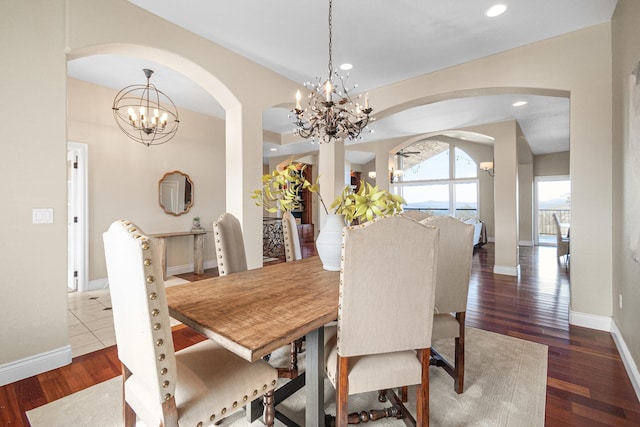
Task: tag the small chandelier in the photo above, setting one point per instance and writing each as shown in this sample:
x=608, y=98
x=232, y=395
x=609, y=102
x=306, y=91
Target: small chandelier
x=331, y=113
x=146, y=114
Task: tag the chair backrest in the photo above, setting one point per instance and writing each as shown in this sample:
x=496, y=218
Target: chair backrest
x=292, y=250
x=558, y=229
x=455, y=256
x=387, y=285
x=140, y=313
x=229, y=243
x=417, y=215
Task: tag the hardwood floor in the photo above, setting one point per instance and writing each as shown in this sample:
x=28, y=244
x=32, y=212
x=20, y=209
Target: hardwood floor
x=587, y=384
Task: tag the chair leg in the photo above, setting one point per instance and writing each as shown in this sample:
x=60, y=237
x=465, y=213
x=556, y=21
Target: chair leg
x=342, y=392
x=422, y=391
x=269, y=414
x=458, y=381
x=292, y=371
x=128, y=415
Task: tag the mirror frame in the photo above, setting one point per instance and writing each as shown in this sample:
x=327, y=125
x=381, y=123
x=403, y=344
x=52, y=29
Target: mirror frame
x=188, y=203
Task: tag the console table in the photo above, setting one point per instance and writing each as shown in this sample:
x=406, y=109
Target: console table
x=198, y=248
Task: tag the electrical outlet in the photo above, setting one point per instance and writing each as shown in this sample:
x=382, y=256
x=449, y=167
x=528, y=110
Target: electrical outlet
x=620, y=300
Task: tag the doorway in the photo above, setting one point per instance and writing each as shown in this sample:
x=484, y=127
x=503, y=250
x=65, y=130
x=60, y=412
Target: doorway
x=553, y=196
x=77, y=218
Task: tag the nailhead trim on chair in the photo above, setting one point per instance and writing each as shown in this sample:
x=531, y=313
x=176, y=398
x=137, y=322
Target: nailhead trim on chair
x=159, y=334
x=155, y=311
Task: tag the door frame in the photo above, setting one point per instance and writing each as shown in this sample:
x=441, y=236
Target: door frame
x=77, y=207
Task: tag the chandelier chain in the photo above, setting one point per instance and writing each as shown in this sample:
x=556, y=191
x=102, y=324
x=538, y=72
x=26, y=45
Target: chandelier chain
x=330, y=38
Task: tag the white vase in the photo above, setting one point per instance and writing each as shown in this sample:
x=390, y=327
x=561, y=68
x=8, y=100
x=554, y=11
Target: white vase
x=329, y=242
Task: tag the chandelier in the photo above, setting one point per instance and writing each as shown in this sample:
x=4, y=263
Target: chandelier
x=146, y=114
x=331, y=113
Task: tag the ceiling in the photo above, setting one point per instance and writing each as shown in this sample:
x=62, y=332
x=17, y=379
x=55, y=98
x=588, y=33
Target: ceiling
x=385, y=41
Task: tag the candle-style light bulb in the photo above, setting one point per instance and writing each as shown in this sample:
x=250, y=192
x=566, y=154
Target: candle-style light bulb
x=328, y=89
x=366, y=101
x=298, y=98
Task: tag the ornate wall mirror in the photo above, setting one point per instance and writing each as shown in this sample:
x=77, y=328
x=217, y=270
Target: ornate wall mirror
x=175, y=193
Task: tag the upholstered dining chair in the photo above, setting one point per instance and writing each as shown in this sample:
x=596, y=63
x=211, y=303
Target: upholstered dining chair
x=196, y=386
x=562, y=243
x=417, y=215
x=229, y=243
x=232, y=258
x=292, y=249
x=385, y=314
x=455, y=255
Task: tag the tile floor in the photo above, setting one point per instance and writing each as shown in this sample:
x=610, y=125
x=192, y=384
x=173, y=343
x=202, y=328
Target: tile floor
x=90, y=319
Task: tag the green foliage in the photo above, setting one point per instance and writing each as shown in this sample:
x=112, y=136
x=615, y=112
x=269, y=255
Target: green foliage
x=282, y=188
x=367, y=203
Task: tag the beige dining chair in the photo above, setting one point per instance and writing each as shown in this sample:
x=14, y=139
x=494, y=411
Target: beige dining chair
x=562, y=242
x=385, y=315
x=455, y=255
x=417, y=215
x=229, y=244
x=232, y=258
x=292, y=249
x=199, y=385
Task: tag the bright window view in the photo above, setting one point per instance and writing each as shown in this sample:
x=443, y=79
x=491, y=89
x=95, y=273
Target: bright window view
x=554, y=197
x=431, y=182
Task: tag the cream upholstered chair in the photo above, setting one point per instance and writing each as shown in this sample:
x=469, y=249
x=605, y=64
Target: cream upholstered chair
x=562, y=243
x=231, y=258
x=196, y=386
x=455, y=255
x=417, y=215
x=292, y=250
x=229, y=243
x=398, y=286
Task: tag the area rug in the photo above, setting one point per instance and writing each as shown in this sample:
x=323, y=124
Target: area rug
x=505, y=385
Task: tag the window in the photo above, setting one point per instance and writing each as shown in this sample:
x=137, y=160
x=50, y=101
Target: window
x=438, y=182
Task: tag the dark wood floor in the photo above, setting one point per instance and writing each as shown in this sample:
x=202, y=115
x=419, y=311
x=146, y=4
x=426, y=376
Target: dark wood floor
x=586, y=384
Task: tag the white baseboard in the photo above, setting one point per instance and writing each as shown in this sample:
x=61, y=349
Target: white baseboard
x=96, y=285
x=34, y=365
x=627, y=359
x=525, y=242
x=506, y=270
x=591, y=321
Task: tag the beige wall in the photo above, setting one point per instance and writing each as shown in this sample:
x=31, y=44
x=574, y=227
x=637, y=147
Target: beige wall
x=626, y=178
x=33, y=307
x=41, y=34
x=554, y=164
x=576, y=65
x=124, y=175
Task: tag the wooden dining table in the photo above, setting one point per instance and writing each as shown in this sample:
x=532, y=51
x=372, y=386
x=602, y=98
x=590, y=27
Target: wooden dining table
x=254, y=312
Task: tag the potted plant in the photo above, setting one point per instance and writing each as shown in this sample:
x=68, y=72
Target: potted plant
x=350, y=208
x=196, y=225
x=281, y=189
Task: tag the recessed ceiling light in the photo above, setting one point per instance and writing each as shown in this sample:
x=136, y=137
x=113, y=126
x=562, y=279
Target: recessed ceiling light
x=273, y=149
x=495, y=10
x=519, y=103
x=346, y=66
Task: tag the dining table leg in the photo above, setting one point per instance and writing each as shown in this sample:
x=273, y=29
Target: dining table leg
x=314, y=412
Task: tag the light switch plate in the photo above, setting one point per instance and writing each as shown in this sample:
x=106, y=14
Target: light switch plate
x=42, y=215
